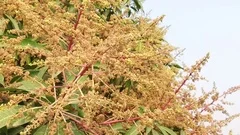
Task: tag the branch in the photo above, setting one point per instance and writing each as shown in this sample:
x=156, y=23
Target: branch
x=78, y=19
x=117, y=121
x=184, y=82
x=81, y=124
x=70, y=39
x=82, y=72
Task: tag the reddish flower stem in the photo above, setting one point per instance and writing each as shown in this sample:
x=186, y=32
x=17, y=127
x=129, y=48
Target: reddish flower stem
x=117, y=121
x=213, y=101
x=82, y=125
x=70, y=44
x=206, y=106
x=177, y=90
x=70, y=39
x=82, y=72
x=78, y=19
x=188, y=107
x=85, y=127
x=182, y=84
x=184, y=81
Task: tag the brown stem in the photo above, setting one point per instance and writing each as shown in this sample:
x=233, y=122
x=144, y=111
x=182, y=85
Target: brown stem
x=70, y=39
x=78, y=19
x=82, y=72
x=213, y=101
x=64, y=76
x=182, y=84
x=178, y=89
x=70, y=44
x=82, y=125
x=117, y=121
x=206, y=106
x=188, y=107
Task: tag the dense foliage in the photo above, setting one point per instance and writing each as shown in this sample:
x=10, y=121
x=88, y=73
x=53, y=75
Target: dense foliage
x=96, y=67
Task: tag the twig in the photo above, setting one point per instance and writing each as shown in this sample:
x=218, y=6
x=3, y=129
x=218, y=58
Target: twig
x=82, y=72
x=93, y=76
x=180, y=52
x=81, y=124
x=105, y=84
x=70, y=114
x=183, y=83
x=54, y=89
x=70, y=39
x=107, y=122
x=64, y=76
x=78, y=18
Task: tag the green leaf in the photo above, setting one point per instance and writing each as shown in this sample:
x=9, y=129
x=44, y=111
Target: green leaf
x=182, y=132
x=132, y=7
x=154, y=132
x=56, y=74
x=82, y=79
x=1, y=79
x=13, y=21
x=129, y=13
x=6, y=114
x=2, y=21
x=15, y=131
x=141, y=109
x=21, y=121
x=63, y=44
x=166, y=130
x=60, y=129
x=33, y=72
x=41, y=72
x=128, y=84
x=137, y=4
x=177, y=66
x=16, y=79
x=16, y=91
x=171, y=132
x=10, y=36
x=148, y=130
x=69, y=76
x=31, y=42
x=76, y=131
x=71, y=8
x=132, y=131
x=29, y=85
x=140, y=47
x=99, y=65
x=4, y=131
x=79, y=111
x=28, y=59
x=117, y=126
x=48, y=98
x=43, y=130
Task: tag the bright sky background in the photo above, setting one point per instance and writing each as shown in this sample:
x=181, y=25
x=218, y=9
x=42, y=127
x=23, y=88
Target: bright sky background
x=206, y=26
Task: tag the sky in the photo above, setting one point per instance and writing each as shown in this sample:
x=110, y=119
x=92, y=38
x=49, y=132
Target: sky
x=206, y=26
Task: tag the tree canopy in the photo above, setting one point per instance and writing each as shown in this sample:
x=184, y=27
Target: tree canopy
x=97, y=67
